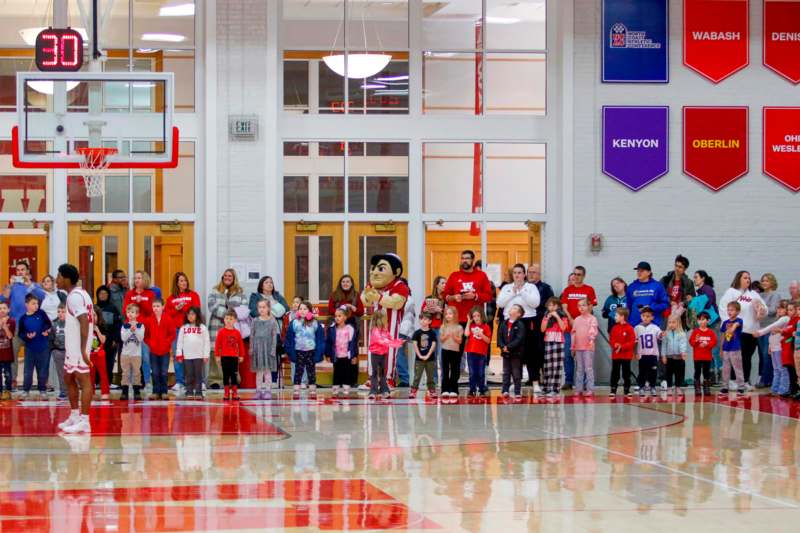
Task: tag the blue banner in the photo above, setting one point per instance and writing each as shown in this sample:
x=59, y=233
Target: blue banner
x=635, y=40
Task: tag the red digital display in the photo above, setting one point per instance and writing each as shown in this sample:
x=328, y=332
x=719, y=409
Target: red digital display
x=59, y=50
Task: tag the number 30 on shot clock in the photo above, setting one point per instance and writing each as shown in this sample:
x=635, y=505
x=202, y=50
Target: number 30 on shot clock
x=59, y=50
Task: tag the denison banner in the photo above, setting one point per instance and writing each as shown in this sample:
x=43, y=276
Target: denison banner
x=715, y=144
x=715, y=37
x=635, y=41
x=782, y=145
x=782, y=38
x=635, y=144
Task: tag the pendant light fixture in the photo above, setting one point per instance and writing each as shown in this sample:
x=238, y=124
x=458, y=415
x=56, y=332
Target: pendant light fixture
x=359, y=65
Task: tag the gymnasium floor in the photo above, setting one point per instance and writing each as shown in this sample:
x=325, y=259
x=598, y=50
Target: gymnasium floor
x=334, y=465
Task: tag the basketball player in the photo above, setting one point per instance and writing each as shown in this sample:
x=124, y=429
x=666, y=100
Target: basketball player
x=77, y=343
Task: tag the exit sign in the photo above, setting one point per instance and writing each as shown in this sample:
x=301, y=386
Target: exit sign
x=243, y=127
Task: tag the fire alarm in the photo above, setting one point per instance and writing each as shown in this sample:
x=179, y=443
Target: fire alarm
x=596, y=242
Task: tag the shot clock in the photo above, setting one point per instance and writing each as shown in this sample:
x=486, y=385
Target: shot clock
x=59, y=50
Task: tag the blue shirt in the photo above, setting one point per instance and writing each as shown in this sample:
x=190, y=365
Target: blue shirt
x=734, y=344
x=19, y=291
x=650, y=294
x=38, y=324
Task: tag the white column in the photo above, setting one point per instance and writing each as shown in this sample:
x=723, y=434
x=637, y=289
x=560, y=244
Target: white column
x=58, y=230
x=206, y=206
x=273, y=181
x=415, y=263
x=561, y=46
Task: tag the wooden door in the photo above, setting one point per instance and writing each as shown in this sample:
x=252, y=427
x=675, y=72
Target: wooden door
x=29, y=245
x=162, y=250
x=313, y=259
x=97, y=249
x=367, y=239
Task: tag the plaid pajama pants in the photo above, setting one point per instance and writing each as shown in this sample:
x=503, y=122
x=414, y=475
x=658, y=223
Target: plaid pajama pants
x=553, y=369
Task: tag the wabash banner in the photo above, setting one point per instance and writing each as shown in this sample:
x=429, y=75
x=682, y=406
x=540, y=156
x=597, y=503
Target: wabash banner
x=782, y=38
x=715, y=144
x=635, y=41
x=782, y=145
x=715, y=37
x=635, y=144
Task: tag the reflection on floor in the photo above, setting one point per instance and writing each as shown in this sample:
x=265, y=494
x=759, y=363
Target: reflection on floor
x=718, y=463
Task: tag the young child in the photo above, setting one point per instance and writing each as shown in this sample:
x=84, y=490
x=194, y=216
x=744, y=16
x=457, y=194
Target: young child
x=263, y=349
x=584, y=333
x=511, y=342
x=780, y=376
x=623, y=343
x=34, y=329
x=341, y=347
x=57, y=348
x=450, y=335
x=7, y=327
x=797, y=350
x=159, y=334
x=703, y=340
x=297, y=301
x=380, y=342
x=675, y=350
x=787, y=347
x=647, y=336
x=424, y=341
x=193, y=349
x=479, y=337
x=229, y=350
x=97, y=355
x=130, y=360
x=554, y=326
x=305, y=344
x=731, y=331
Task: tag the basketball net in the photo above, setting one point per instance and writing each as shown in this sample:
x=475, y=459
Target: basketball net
x=94, y=167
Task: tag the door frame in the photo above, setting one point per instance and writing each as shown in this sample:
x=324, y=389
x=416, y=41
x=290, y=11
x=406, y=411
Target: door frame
x=40, y=238
x=374, y=229
x=320, y=229
x=77, y=236
x=185, y=235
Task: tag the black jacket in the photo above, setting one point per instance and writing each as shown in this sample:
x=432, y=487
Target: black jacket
x=545, y=293
x=512, y=337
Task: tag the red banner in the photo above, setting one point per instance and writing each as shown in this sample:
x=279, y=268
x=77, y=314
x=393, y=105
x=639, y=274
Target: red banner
x=715, y=144
x=716, y=37
x=782, y=38
x=782, y=145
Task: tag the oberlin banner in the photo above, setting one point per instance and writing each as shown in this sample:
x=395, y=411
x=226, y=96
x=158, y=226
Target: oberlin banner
x=635, y=144
x=782, y=38
x=782, y=145
x=715, y=144
x=715, y=37
x=635, y=41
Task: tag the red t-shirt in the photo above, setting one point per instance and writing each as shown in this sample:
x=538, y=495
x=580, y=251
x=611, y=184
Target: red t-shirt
x=703, y=353
x=460, y=282
x=229, y=343
x=625, y=336
x=478, y=346
x=787, y=342
x=572, y=295
x=6, y=343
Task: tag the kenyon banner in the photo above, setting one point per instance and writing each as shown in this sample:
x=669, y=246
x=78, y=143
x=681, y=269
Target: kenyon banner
x=782, y=145
x=782, y=38
x=715, y=37
x=635, y=41
x=715, y=144
x=635, y=144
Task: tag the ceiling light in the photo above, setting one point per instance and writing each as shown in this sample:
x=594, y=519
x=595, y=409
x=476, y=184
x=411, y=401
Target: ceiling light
x=373, y=86
x=502, y=20
x=47, y=87
x=391, y=78
x=29, y=34
x=359, y=66
x=165, y=37
x=178, y=10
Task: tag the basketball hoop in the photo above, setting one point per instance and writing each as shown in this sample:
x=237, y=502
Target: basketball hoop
x=94, y=166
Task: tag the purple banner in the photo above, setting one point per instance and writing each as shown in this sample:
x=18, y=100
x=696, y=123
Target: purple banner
x=635, y=144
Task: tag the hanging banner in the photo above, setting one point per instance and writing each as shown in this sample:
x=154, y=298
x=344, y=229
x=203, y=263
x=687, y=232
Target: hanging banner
x=635, y=41
x=716, y=37
x=635, y=144
x=782, y=145
x=782, y=38
x=715, y=144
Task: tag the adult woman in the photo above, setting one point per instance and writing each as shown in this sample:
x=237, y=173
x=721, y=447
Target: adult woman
x=181, y=299
x=616, y=299
x=753, y=309
x=704, y=286
x=520, y=292
x=434, y=304
x=769, y=288
x=52, y=297
x=266, y=291
x=226, y=295
x=345, y=294
x=141, y=295
x=113, y=320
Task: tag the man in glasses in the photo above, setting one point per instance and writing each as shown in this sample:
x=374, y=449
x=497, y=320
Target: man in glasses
x=574, y=293
x=118, y=286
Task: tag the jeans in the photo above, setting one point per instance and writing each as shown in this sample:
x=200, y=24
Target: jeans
x=194, y=376
x=5, y=376
x=58, y=357
x=146, y=372
x=569, y=361
x=39, y=360
x=749, y=345
x=764, y=361
x=160, y=366
x=401, y=365
x=179, y=378
x=438, y=357
x=780, y=376
x=477, y=372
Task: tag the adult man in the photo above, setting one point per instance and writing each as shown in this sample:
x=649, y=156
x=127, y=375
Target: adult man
x=466, y=288
x=679, y=288
x=21, y=286
x=78, y=333
x=118, y=286
x=520, y=292
x=646, y=292
x=574, y=293
x=534, y=276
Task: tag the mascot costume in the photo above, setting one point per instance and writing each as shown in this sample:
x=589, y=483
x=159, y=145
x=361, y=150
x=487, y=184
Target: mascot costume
x=388, y=291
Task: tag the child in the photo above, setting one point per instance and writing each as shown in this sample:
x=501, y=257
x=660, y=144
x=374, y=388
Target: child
x=193, y=349
x=7, y=327
x=511, y=341
x=623, y=342
x=297, y=301
x=34, y=329
x=159, y=334
x=676, y=347
x=263, y=349
x=305, y=344
x=380, y=342
x=424, y=340
x=341, y=347
x=647, y=336
x=703, y=340
x=97, y=355
x=479, y=337
x=450, y=335
x=797, y=351
x=787, y=347
x=584, y=333
x=731, y=331
x=57, y=348
x=554, y=326
x=229, y=350
x=780, y=376
x=130, y=359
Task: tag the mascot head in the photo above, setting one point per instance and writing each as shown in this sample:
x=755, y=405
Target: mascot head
x=384, y=268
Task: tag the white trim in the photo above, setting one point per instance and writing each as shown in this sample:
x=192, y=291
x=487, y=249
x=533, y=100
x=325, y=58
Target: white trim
x=131, y=217
x=206, y=205
x=566, y=15
x=273, y=149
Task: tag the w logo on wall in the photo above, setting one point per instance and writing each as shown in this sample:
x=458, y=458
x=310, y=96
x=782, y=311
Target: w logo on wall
x=618, y=35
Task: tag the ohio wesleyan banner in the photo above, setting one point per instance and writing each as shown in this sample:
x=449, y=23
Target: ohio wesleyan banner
x=635, y=41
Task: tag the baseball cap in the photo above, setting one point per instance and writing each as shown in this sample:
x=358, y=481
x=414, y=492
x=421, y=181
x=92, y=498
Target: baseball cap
x=643, y=265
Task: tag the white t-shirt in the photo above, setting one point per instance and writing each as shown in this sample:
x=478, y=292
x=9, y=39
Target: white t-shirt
x=78, y=303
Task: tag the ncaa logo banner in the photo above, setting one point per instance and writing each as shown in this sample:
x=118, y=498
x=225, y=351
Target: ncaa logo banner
x=782, y=145
x=715, y=37
x=782, y=38
x=635, y=144
x=635, y=41
x=715, y=144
